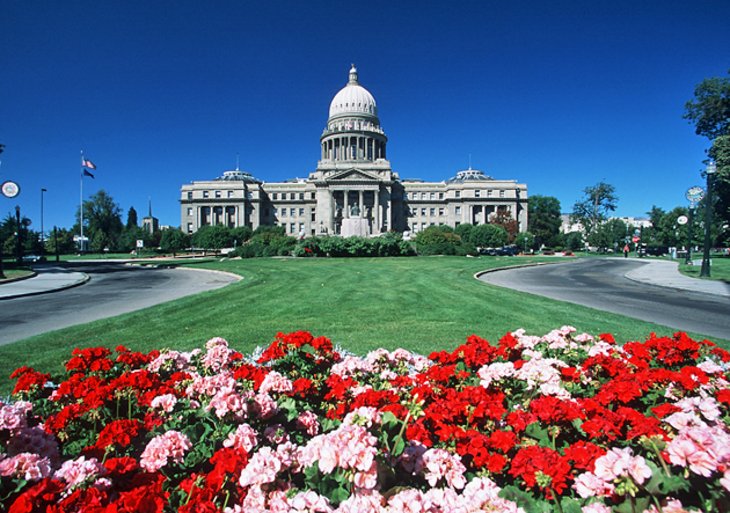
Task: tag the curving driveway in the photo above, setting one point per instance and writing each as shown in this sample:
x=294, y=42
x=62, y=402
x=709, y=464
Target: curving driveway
x=113, y=289
x=602, y=284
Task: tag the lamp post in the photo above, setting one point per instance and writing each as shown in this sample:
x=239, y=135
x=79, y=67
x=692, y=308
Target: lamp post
x=43, y=235
x=18, y=253
x=710, y=172
x=694, y=195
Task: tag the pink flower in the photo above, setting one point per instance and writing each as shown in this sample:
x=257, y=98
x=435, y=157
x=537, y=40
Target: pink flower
x=588, y=484
x=261, y=468
x=621, y=463
x=165, y=402
x=28, y=466
x=440, y=464
x=76, y=472
x=169, y=446
x=308, y=421
x=596, y=507
x=275, y=382
x=244, y=437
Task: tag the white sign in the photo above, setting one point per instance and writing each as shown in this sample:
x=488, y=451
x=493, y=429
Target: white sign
x=10, y=189
x=682, y=220
x=140, y=243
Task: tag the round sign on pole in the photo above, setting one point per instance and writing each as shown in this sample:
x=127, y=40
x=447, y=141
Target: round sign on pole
x=10, y=189
x=695, y=194
x=635, y=238
x=682, y=220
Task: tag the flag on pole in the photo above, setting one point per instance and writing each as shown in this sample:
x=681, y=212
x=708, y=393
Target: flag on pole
x=86, y=173
x=88, y=163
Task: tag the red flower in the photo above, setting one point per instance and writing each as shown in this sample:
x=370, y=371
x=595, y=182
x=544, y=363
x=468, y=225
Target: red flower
x=28, y=378
x=541, y=467
x=119, y=433
x=92, y=359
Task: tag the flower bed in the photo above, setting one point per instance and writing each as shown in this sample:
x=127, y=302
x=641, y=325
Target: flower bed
x=563, y=422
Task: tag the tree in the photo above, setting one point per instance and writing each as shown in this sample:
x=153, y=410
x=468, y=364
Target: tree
x=593, y=209
x=710, y=113
x=503, y=218
x=544, y=220
x=173, y=240
x=609, y=235
x=710, y=110
x=489, y=236
x=103, y=220
x=132, y=218
x=65, y=240
x=212, y=237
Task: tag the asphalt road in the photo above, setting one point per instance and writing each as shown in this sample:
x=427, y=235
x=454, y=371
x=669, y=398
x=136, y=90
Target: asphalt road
x=112, y=290
x=601, y=284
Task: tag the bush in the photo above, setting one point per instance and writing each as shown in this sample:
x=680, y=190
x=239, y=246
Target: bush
x=441, y=240
x=489, y=236
x=267, y=242
x=389, y=244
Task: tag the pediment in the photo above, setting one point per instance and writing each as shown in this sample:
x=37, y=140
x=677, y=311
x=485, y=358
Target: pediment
x=353, y=175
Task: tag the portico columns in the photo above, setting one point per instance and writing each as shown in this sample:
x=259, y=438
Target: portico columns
x=346, y=204
x=378, y=223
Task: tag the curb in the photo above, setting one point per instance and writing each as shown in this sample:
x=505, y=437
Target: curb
x=58, y=289
x=517, y=266
x=237, y=277
x=32, y=274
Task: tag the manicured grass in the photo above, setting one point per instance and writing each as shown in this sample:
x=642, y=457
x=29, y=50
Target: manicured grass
x=423, y=304
x=14, y=274
x=719, y=269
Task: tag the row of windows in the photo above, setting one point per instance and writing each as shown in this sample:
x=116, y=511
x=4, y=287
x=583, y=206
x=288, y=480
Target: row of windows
x=217, y=194
x=432, y=211
x=292, y=212
x=489, y=193
x=292, y=195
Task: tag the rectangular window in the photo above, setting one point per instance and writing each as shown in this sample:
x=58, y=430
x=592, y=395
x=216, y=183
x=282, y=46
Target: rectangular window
x=274, y=195
x=301, y=227
x=314, y=195
x=190, y=211
x=301, y=212
x=230, y=194
x=433, y=195
x=423, y=226
x=293, y=212
x=501, y=194
x=205, y=194
x=217, y=194
x=489, y=193
x=457, y=211
x=432, y=212
x=301, y=195
x=190, y=195
x=441, y=211
x=458, y=194
x=441, y=195
x=292, y=228
x=190, y=227
x=477, y=194
x=283, y=212
x=423, y=211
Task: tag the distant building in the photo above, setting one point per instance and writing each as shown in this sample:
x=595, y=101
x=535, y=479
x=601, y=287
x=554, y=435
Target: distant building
x=567, y=226
x=353, y=190
x=150, y=223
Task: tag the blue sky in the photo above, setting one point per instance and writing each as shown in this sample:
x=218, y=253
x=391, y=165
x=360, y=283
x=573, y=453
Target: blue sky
x=558, y=95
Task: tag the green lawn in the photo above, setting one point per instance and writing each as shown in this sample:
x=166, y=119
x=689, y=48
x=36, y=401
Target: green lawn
x=423, y=304
x=14, y=274
x=719, y=269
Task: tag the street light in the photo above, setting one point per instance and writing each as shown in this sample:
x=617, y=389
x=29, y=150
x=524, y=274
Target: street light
x=18, y=250
x=710, y=172
x=43, y=237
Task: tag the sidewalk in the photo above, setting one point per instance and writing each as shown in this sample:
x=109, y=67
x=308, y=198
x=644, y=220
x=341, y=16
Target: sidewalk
x=50, y=278
x=664, y=273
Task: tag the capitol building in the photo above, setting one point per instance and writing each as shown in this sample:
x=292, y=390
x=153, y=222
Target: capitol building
x=353, y=190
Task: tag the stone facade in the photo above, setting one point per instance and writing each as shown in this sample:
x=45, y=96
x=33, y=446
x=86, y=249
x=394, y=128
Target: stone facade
x=354, y=190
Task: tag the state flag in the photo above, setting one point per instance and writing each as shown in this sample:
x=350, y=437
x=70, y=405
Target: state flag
x=88, y=163
x=86, y=173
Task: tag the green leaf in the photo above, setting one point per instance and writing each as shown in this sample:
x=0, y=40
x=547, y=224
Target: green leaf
x=640, y=504
x=289, y=406
x=570, y=505
x=662, y=484
x=539, y=433
x=398, y=447
x=525, y=500
x=338, y=495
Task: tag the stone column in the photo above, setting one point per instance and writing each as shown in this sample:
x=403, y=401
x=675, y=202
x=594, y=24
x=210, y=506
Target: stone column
x=376, y=208
x=361, y=205
x=346, y=204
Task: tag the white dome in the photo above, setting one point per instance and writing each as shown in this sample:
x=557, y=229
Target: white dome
x=353, y=99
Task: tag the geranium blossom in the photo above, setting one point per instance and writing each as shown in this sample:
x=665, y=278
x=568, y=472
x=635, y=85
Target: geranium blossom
x=297, y=427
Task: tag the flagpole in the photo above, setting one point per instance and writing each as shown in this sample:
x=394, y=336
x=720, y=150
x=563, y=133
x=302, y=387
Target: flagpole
x=81, y=205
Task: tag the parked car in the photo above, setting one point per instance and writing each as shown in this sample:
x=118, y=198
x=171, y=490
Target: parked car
x=33, y=259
